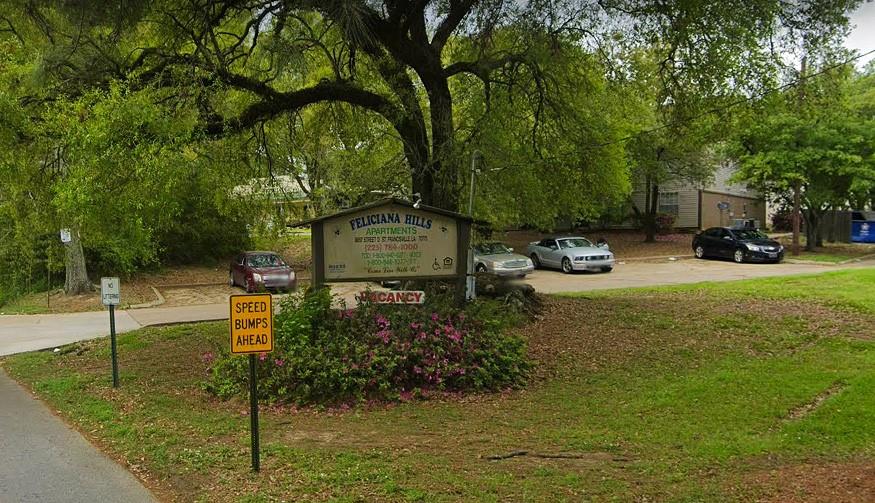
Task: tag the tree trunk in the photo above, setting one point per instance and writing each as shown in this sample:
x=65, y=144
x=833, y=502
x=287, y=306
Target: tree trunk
x=812, y=229
x=818, y=241
x=650, y=212
x=77, y=281
x=443, y=170
x=797, y=205
x=833, y=224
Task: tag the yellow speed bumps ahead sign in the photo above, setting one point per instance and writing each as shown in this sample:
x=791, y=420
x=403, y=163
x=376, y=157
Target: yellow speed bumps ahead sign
x=251, y=324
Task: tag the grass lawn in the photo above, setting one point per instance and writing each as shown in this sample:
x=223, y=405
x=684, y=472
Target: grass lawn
x=831, y=258
x=759, y=389
x=831, y=252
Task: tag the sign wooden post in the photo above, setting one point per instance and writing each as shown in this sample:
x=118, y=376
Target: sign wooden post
x=252, y=332
x=110, y=294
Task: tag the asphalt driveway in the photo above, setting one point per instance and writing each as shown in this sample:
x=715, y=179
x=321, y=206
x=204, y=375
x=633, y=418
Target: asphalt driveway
x=22, y=333
x=643, y=274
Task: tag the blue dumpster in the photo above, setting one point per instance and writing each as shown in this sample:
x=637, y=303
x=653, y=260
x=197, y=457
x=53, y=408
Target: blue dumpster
x=863, y=231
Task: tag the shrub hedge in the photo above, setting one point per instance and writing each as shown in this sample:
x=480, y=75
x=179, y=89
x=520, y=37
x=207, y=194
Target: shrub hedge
x=379, y=352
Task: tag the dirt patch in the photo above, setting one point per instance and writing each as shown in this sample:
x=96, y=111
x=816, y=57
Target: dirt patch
x=571, y=334
x=830, y=482
x=624, y=244
x=807, y=408
x=59, y=302
x=184, y=275
x=189, y=296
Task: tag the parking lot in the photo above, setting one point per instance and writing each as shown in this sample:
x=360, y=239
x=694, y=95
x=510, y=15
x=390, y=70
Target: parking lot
x=641, y=274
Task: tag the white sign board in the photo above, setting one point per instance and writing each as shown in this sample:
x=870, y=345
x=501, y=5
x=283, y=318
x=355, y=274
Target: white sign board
x=66, y=237
x=110, y=291
x=391, y=241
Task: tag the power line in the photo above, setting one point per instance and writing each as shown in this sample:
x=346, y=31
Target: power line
x=734, y=103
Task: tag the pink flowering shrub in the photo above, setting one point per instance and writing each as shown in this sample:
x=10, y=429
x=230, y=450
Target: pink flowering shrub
x=381, y=352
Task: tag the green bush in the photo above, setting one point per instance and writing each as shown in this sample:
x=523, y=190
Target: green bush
x=380, y=352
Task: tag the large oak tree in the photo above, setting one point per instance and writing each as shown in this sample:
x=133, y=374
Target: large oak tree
x=241, y=62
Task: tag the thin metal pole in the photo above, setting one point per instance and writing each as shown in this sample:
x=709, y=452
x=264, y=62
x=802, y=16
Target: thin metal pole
x=796, y=218
x=470, y=283
x=253, y=412
x=797, y=203
x=113, y=344
x=473, y=171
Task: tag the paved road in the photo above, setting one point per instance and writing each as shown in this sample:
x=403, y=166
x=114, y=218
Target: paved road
x=20, y=333
x=42, y=460
x=33, y=332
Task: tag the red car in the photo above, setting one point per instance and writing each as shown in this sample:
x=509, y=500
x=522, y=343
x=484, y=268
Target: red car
x=258, y=270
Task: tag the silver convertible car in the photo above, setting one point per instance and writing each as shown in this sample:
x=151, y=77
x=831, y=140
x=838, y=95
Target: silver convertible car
x=571, y=254
x=496, y=258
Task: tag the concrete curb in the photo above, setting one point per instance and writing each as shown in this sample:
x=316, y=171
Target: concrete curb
x=861, y=258
x=157, y=302
x=812, y=262
x=659, y=257
x=191, y=285
x=857, y=259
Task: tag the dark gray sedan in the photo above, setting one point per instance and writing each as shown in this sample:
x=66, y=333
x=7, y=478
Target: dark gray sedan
x=571, y=254
x=740, y=245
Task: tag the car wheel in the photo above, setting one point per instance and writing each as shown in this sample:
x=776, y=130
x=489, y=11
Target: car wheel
x=535, y=261
x=700, y=252
x=231, y=281
x=738, y=256
x=566, y=265
x=480, y=268
x=607, y=269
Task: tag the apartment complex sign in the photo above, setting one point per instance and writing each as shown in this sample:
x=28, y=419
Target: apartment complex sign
x=390, y=241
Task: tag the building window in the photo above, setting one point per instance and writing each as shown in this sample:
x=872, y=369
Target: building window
x=668, y=203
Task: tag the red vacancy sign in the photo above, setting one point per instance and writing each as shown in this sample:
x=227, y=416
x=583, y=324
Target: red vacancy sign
x=392, y=297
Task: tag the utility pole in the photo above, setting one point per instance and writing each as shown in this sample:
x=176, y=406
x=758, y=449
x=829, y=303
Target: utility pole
x=797, y=186
x=471, y=286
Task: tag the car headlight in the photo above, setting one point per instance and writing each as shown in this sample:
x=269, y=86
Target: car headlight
x=529, y=263
x=498, y=265
x=256, y=277
x=752, y=247
x=579, y=259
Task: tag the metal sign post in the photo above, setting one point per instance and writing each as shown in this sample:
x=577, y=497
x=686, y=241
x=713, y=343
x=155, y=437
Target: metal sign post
x=253, y=414
x=110, y=293
x=252, y=332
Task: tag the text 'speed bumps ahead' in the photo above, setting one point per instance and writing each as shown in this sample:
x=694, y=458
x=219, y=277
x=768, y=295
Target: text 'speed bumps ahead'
x=251, y=323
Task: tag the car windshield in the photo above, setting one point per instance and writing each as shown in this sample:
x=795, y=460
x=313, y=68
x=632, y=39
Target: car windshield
x=574, y=243
x=491, y=249
x=750, y=234
x=264, y=260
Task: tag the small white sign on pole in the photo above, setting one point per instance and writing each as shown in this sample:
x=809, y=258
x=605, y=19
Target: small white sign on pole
x=110, y=291
x=66, y=237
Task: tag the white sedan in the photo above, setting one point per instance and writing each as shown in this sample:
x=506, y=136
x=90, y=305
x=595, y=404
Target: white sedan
x=496, y=258
x=571, y=254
